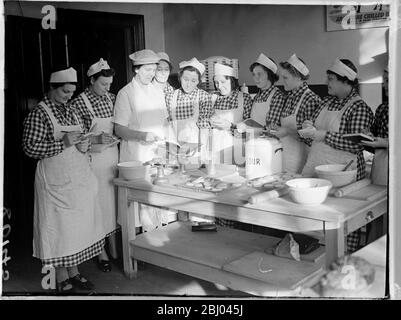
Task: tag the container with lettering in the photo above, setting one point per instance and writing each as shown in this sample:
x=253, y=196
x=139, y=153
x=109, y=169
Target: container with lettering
x=263, y=157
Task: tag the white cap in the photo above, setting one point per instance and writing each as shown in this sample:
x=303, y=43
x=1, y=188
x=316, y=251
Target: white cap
x=97, y=67
x=223, y=70
x=343, y=70
x=67, y=75
x=298, y=64
x=164, y=56
x=145, y=56
x=193, y=63
x=265, y=61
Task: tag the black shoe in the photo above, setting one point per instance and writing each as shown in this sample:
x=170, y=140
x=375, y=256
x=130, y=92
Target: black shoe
x=81, y=283
x=65, y=287
x=104, y=265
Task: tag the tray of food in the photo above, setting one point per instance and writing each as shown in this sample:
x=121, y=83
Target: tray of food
x=207, y=184
x=273, y=181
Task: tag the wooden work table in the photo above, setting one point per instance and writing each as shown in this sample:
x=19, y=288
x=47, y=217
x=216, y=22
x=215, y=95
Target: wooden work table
x=233, y=257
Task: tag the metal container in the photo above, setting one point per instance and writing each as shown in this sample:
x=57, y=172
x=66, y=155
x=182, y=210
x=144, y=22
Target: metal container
x=263, y=157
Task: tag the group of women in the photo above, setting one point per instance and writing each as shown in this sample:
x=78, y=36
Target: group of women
x=75, y=206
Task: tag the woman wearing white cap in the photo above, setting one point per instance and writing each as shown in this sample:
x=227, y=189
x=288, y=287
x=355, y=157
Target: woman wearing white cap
x=300, y=105
x=95, y=106
x=269, y=101
x=163, y=71
x=66, y=227
x=343, y=111
x=189, y=107
x=141, y=120
x=230, y=107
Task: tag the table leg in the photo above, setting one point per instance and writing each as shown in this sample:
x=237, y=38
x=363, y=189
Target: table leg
x=334, y=242
x=127, y=231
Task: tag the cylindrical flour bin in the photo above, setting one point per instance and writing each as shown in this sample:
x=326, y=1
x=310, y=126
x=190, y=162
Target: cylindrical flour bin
x=263, y=157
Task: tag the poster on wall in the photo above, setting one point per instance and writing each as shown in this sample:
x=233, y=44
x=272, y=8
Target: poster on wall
x=351, y=17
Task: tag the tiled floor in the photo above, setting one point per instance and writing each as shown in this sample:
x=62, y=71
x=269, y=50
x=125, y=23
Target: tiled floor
x=25, y=280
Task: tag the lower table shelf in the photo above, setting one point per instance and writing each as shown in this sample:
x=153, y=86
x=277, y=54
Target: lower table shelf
x=229, y=257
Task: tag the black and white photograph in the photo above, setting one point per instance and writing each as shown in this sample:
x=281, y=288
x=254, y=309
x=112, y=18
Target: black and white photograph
x=226, y=150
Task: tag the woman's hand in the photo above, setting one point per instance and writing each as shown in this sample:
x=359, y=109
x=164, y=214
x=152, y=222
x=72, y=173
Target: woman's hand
x=281, y=132
x=307, y=124
x=149, y=138
x=105, y=138
x=220, y=123
x=71, y=138
x=83, y=145
x=378, y=143
x=320, y=135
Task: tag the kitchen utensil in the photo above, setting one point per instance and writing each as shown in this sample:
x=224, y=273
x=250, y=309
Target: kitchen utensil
x=309, y=191
x=336, y=174
x=348, y=165
x=341, y=192
x=133, y=170
x=268, y=195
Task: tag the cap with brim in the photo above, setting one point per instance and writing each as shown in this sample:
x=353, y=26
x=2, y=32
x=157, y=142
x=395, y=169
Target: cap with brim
x=193, y=63
x=64, y=76
x=266, y=62
x=342, y=69
x=145, y=56
x=97, y=67
x=298, y=64
x=164, y=56
x=223, y=70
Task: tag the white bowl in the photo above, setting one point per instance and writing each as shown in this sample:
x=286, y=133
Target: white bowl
x=131, y=170
x=334, y=173
x=309, y=190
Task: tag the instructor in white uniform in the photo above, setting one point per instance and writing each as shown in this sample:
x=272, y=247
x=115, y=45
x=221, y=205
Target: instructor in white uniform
x=67, y=229
x=140, y=118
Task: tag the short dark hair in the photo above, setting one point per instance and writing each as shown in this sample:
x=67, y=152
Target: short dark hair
x=168, y=62
x=273, y=78
x=234, y=83
x=291, y=69
x=55, y=85
x=349, y=64
x=190, y=68
x=103, y=73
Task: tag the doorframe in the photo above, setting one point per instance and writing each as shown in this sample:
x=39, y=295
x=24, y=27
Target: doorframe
x=133, y=25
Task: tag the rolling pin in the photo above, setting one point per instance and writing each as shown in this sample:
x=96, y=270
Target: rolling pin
x=267, y=195
x=341, y=192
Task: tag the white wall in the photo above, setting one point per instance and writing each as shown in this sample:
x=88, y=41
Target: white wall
x=152, y=12
x=244, y=31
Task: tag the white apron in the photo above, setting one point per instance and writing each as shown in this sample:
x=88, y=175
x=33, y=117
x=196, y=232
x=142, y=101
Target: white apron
x=260, y=110
x=149, y=113
x=320, y=152
x=295, y=151
x=104, y=165
x=379, y=174
x=66, y=219
x=225, y=147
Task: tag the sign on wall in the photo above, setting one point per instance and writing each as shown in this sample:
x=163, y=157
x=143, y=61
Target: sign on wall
x=357, y=16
